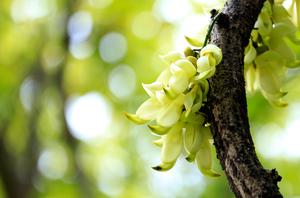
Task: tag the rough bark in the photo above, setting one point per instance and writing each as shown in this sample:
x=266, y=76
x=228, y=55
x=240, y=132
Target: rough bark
x=228, y=107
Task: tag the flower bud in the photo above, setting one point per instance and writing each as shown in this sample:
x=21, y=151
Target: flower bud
x=203, y=64
x=192, y=138
x=214, y=51
x=188, y=52
x=204, y=161
x=193, y=60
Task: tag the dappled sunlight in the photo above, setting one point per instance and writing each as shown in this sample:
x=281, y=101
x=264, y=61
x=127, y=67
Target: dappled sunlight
x=112, y=174
x=122, y=81
x=183, y=174
x=80, y=26
x=81, y=50
x=88, y=116
x=277, y=142
x=112, y=47
x=145, y=32
x=100, y=3
x=23, y=10
x=27, y=92
x=172, y=10
x=53, y=162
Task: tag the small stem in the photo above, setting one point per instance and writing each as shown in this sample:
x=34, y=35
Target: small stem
x=210, y=27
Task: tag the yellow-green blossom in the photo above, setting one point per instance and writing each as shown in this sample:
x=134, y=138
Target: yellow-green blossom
x=174, y=105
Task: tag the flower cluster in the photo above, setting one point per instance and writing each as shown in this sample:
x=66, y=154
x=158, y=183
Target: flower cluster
x=174, y=104
x=268, y=54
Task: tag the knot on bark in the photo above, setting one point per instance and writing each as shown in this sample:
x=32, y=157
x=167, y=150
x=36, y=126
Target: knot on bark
x=274, y=175
x=223, y=21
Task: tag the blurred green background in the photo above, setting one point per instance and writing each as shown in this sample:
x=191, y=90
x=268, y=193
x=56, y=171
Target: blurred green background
x=68, y=71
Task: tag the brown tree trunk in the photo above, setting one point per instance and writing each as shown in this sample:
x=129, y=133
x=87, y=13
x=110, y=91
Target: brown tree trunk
x=228, y=107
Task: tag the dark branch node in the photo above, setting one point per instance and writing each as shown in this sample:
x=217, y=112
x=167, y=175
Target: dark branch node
x=213, y=13
x=223, y=20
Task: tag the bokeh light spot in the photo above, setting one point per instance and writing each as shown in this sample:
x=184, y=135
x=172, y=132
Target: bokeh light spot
x=27, y=92
x=81, y=50
x=100, y=3
x=282, y=143
x=53, y=162
x=172, y=10
x=122, y=81
x=88, y=116
x=188, y=178
x=52, y=56
x=145, y=25
x=30, y=9
x=112, y=47
x=111, y=175
x=80, y=26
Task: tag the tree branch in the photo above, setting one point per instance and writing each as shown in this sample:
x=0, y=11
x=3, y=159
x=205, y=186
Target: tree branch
x=228, y=107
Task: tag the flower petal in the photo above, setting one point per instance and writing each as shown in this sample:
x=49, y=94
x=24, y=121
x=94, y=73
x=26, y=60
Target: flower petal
x=159, y=130
x=195, y=41
x=134, y=118
x=187, y=66
x=171, y=113
x=189, y=99
x=162, y=97
x=203, y=64
x=172, y=145
x=214, y=50
x=164, y=77
x=149, y=109
x=250, y=53
x=204, y=160
x=152, y=88
x=164, y=166
x=192, y=138
x=206, y=74
x=179, y=81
